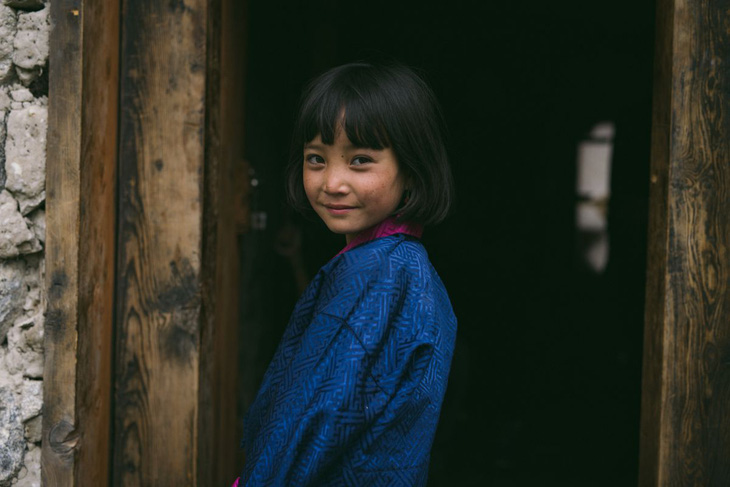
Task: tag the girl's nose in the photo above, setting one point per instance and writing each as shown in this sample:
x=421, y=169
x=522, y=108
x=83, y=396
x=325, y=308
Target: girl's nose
x=334, y=181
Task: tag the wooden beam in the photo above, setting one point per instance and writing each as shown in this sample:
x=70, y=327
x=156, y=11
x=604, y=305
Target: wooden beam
x=176, y=418
x=685, y=435
x=162, y=132
x=221, y=463
x=80, y=209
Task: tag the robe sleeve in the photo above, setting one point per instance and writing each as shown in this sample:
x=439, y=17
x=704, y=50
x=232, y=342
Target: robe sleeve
x=355, y=392
x=355, y=405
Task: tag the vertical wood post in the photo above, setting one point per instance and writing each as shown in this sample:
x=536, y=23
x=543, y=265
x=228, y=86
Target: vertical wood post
x=685, y=431
x=162, y=137
x=225, y=194
x=175, y=404
x=80, y=209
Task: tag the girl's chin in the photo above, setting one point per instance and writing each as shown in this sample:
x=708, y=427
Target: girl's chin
x=340, y=229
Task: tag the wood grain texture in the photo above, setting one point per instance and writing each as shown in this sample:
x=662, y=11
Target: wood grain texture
x=220, y=461
x=653, y=357
x=209, y=387
x=59, y=444
x=685, y=427
x=162, y=153
x=97, y=254
x=234, y=27
x=80, y=204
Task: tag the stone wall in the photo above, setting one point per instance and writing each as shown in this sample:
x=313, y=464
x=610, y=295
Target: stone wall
x=24, y=28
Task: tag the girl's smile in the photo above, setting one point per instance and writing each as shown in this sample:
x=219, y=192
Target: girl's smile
x=339, y=209
x=351, y=188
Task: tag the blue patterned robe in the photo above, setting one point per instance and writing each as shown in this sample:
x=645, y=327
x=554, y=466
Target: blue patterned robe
x=353, y=393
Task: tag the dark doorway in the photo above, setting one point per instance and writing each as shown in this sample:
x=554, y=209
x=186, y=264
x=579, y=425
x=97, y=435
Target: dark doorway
x=545, y=384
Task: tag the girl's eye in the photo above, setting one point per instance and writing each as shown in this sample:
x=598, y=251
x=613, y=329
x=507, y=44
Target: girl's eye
x=360, y=160
x=314, y=159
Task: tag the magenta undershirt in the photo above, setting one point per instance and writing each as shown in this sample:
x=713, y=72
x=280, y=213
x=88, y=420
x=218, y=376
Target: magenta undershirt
x=387, y=227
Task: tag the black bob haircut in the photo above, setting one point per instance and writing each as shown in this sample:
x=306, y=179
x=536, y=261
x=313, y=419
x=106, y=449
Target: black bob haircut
x=385, y=106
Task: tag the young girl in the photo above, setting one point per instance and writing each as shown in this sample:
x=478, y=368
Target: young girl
x=353, y=393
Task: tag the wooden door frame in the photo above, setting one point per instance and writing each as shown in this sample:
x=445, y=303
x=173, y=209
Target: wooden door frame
x=685, y=435
x=95, y=153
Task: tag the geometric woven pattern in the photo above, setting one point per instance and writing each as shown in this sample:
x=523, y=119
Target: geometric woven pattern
x=353, y=393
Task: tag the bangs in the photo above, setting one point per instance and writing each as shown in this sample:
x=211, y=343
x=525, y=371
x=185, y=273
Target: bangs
x=345, y=105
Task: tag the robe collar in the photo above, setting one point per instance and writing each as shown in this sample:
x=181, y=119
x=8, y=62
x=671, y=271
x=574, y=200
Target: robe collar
x=389, y=226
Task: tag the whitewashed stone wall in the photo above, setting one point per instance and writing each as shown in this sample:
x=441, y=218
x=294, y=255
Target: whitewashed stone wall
x=24, y=29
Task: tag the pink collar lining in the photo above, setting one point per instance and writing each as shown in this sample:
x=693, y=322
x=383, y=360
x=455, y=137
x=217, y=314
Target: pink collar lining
x=387, y=227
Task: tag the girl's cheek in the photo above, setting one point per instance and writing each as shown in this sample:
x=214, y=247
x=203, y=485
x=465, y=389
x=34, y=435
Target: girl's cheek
x=309, y=181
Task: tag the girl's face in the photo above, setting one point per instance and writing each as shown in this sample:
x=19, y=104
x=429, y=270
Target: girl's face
x=351, y=188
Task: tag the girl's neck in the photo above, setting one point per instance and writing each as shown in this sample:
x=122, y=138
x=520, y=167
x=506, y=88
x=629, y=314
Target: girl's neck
x=389, y=226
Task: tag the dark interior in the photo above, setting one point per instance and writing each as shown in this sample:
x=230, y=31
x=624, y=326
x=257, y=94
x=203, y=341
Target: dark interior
x=545, y=383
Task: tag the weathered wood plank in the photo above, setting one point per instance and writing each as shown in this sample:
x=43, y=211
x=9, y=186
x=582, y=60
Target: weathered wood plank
x=59, y=445
x=208, y=386
x=224, y=149
x=685, y=432
x=653, y=363
x=97, y=252
x=80, y=204
x=159, y=323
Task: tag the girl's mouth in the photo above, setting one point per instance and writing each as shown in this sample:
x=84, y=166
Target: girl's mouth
x=339, y=209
